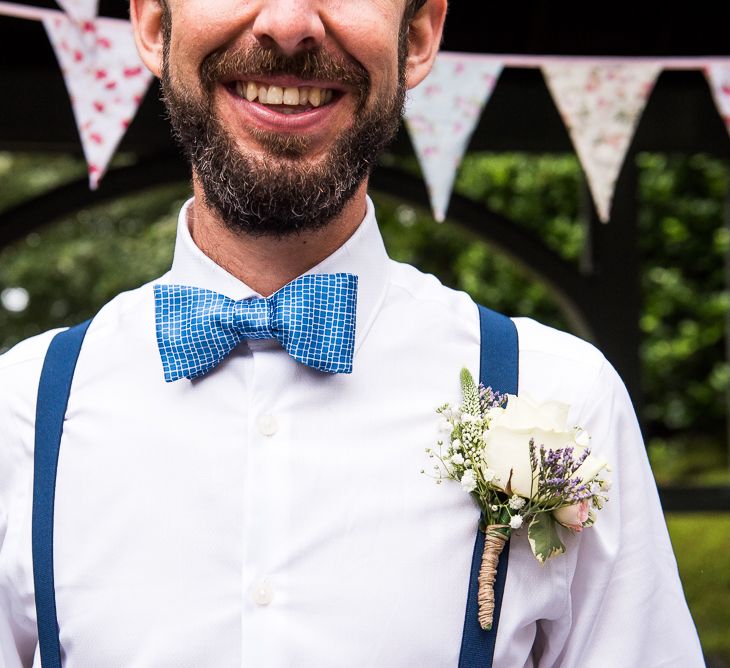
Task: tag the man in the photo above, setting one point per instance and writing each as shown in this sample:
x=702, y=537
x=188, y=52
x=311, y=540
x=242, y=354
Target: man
x=261, y=512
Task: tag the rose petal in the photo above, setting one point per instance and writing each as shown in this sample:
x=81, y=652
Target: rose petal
x=573, y=516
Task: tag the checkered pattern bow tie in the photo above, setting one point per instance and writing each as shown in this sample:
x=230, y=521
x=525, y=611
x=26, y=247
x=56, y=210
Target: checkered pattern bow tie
x=313, y=318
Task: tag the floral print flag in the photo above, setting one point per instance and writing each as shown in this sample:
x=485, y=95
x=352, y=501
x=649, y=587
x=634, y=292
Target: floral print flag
x=105, y=79
x=601, y=104
x=441, y=115
x=80, y=10
x=718, y=76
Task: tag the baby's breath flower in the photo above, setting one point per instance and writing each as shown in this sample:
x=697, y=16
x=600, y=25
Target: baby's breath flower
x=456, y=444
x=487, y=473
x=468, y=481
x=515, y=521
x=516, y=502
x=457, y=459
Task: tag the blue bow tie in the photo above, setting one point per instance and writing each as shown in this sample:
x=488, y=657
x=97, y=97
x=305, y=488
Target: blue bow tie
x=313, y=318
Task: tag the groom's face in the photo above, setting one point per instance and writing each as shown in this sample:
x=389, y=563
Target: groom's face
x=283, y=105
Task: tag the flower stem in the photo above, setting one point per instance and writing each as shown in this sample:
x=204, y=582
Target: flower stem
x=497, y=536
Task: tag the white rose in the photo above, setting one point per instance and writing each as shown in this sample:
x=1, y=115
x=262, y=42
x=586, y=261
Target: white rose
x=590, y=468
x=507, y=443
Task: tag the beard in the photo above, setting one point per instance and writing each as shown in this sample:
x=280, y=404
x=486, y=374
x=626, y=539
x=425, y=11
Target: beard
x=283, y=192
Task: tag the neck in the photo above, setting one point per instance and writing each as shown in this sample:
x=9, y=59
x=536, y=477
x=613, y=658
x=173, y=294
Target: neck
x=264, y=263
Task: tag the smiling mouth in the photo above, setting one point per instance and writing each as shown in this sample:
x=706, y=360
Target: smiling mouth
x=285, y=100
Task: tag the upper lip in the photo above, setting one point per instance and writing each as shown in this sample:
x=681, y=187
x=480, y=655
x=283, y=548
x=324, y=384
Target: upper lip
x=285, y=81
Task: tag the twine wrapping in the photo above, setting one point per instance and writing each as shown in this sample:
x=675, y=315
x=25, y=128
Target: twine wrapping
x=494, y=543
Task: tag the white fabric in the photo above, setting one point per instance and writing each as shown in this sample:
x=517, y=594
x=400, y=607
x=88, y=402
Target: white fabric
x=601, y=104
x=267, y=515
x=106, y=82
x=441, y=114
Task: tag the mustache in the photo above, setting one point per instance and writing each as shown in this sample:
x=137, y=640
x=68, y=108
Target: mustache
x=256, y=61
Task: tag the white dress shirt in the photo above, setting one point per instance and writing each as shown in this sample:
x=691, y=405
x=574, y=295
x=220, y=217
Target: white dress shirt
x=268, y=515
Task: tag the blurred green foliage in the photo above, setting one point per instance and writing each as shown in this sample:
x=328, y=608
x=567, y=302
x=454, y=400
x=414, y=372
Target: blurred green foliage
x=702, y=544
x=684, y=245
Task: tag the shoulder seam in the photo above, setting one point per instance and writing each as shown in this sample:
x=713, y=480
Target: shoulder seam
x=36, y=355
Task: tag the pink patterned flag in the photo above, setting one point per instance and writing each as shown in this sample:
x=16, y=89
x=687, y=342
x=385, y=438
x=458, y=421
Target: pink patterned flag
x=718, y=75
x=105, y=79
x=601, y=104
x=80, y=10
x=441, y=115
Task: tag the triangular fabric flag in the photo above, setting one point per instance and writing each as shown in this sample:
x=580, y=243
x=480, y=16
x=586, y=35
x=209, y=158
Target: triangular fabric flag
x=80, y=10
x=105, y=79
x=718, y=75
x=601, y=104
x=441, y=115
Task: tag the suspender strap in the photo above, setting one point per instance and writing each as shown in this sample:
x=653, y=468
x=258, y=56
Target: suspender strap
x=53, y=392
x=499, y=369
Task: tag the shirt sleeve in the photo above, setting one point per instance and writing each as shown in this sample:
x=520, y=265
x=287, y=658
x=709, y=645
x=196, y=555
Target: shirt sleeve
x=625, y=606
x=17, y=638
x=18, y=633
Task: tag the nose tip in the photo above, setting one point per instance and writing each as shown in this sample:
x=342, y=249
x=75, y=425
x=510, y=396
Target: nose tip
x=289, y=26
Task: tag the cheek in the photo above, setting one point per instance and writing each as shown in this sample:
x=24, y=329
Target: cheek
x=371, y=38
x=200, y=27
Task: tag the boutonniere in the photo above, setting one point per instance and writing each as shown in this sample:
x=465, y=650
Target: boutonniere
x=525, y=467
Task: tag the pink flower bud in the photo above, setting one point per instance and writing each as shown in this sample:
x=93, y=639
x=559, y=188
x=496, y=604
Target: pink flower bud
x=573, y=516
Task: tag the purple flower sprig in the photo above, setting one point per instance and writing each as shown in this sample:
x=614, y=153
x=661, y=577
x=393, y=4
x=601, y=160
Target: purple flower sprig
x=489, y=398
x=555, y=477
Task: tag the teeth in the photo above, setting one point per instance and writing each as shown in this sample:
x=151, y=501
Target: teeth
x=290, y=96
x=275, y=95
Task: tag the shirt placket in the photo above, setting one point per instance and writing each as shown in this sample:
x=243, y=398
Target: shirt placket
x=267, y=509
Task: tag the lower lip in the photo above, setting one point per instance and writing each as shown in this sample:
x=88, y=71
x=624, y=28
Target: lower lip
x=265, y=118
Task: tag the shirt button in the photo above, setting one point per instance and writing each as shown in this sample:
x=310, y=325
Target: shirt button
x=268, y=425
x=263, y=592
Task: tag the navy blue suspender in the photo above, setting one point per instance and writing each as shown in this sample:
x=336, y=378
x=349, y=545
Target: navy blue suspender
x=498, y=369
x=53, y=393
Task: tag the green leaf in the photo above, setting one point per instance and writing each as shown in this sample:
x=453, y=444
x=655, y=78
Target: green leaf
x=543, y=536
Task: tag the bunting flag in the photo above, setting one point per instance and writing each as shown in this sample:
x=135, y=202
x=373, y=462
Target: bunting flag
x=601, y=105
x=105, y=79
x=718, y=76
x=441, y=115
x=80, y=10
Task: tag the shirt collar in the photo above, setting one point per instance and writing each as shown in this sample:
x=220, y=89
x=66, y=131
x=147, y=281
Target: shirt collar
x=363, y=254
